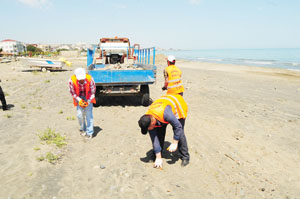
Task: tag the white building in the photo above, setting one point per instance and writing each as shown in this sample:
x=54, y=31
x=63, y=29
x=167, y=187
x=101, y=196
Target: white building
x=12, y=46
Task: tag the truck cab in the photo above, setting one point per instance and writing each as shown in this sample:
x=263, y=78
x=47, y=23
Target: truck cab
x=115, y=50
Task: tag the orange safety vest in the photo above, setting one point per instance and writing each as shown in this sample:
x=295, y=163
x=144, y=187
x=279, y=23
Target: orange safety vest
x=179, y=107
x=88, y=79
x=174, y=80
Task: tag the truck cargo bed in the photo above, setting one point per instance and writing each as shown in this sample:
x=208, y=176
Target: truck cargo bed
x=123, y=74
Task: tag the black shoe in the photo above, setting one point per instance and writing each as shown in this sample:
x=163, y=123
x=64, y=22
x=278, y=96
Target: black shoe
x=184, y=163
x=4, y=108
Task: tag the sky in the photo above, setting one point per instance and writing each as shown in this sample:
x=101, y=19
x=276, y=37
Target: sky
x=177, y=24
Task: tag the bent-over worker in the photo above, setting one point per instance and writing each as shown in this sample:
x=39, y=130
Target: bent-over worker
x=82, y=88
x=167, y=109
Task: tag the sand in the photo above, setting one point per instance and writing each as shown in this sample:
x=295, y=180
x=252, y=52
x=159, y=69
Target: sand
x=242, y=130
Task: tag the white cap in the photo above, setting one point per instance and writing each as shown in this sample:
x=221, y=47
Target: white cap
x=171, y=58
x=79, y=73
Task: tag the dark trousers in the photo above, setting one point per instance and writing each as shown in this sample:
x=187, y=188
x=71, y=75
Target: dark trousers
x=182, y=144
x=2, y=98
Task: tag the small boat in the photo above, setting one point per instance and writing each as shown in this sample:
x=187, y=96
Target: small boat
x=5, y=60
x=43, y=64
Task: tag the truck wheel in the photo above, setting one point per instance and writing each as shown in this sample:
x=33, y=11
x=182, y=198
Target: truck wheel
x=145, y=95
x=99, y=100
x=145, y=99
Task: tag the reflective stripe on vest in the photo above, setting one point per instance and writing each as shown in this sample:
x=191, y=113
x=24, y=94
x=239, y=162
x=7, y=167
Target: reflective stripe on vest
x=177, y=103
x=174, y=86
x=174, y=80
x=174, y=105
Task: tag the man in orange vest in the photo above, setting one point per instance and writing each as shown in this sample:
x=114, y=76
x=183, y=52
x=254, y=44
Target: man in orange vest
x=82, y=88
x=167, y=109
x=172, y=74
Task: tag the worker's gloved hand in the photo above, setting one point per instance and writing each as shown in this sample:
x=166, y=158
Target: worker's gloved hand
x=158, y=163
x=172, y=147
x=163, y=88
x=83, y=104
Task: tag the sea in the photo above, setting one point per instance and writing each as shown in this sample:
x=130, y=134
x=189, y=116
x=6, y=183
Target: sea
x=286, y=58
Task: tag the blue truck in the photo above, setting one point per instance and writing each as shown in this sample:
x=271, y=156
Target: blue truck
x=119, y=69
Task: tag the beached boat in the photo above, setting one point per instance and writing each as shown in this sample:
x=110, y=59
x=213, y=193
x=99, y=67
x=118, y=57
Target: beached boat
x=43, y=64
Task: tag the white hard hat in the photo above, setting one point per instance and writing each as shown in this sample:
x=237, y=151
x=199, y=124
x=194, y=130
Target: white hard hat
x=171, y=58
x=79, y=73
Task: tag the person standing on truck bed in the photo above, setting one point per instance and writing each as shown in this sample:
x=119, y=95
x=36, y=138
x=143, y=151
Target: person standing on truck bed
x=167, y=109
x=82, y=88
x=173, y=81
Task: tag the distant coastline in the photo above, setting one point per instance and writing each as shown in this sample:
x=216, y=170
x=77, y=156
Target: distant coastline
x=286, y=58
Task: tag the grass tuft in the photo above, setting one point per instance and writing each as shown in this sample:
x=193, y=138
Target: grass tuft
x=39, y=107
x=40, y=158
x=51, y=137
x=36, y=148
x=8, y=115
x=52, y=158
x=71, y=118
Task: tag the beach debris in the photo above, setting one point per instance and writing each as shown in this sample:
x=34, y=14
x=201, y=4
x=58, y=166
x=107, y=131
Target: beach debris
x=262, y=189
x=238, y=162
x=68, y=63
x=102, y=167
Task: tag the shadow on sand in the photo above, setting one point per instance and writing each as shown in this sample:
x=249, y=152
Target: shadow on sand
x=171, y=158
x=97, y=130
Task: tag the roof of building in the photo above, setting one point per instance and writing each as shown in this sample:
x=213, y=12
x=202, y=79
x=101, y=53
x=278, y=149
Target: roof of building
x=5, y=53
x=8, y=40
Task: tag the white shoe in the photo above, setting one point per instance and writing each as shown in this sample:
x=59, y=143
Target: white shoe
x=88, y=137
x=82, y=133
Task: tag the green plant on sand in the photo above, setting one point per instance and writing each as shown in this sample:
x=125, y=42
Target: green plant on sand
x=51, y=137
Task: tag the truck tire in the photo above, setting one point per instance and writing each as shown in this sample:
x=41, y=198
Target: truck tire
x=98, y=98
x=145, y=99
x=98, y=101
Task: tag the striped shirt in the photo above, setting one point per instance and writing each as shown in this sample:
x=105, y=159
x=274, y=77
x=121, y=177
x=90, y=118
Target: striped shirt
x=82, y=89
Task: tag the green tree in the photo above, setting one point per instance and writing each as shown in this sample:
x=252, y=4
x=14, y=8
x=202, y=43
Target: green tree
x=31, y=48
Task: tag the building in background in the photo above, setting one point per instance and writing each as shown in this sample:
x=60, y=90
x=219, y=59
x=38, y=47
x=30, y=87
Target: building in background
x=12, y=46
x=45, y=47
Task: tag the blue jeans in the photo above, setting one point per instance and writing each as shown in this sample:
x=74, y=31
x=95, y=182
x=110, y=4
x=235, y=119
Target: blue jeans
x=86, y=114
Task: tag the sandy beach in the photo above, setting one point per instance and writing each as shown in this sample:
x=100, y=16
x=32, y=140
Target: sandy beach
x=242, y=130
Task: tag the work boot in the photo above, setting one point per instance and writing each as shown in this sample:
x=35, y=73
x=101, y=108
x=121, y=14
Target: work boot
x=184, y=163
x=4, y=108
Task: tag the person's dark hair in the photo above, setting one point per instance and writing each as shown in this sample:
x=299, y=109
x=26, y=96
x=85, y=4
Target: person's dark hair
x=144, y=123
x=172, y=63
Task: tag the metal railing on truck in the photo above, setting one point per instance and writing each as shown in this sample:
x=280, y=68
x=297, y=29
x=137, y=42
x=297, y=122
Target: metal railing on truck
x=142, y=56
